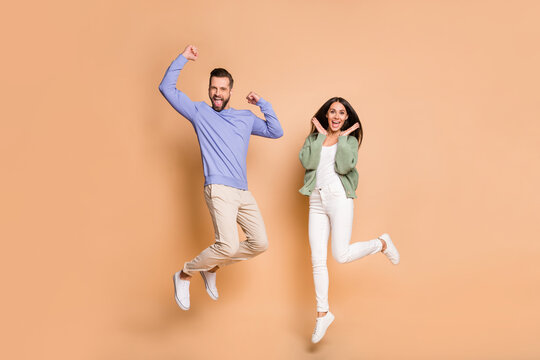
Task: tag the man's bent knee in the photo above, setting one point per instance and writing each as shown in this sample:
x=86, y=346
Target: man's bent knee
x=226, y=250
x=262, y=247
x=260, y=244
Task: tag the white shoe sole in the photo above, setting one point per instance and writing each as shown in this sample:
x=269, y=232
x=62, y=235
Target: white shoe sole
x=208, y=290
x=182, y=306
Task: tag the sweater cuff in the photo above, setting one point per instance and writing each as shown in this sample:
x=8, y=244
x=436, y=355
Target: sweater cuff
x=264, y=105
x=181, y=60
x=342, y=140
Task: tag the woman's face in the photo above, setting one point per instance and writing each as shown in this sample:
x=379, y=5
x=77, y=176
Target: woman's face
x=336, y=115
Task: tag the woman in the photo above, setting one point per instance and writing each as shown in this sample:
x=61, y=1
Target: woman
x=329, y=156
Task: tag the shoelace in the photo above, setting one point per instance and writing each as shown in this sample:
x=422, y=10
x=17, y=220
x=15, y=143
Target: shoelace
x=184, y=284
x=317, y=326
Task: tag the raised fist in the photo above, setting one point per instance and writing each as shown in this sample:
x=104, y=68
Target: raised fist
x=253, y=98
x=191, y=53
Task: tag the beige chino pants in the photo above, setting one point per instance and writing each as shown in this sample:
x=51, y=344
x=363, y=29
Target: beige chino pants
x=229, y=206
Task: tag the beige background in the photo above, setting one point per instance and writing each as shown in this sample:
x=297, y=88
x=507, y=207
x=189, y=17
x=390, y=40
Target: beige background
x=101, y=183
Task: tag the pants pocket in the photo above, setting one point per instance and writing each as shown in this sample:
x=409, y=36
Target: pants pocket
x=337, y=189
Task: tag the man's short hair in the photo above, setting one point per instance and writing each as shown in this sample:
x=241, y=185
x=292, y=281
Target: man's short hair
x=220, y=72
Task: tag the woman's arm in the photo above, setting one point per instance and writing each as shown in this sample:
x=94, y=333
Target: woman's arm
x=310, y=154
x=346, y=154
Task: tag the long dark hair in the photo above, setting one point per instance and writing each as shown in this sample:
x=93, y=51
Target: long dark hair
x=353, y=118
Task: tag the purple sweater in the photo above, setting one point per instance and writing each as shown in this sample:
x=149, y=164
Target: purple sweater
x=223, y=135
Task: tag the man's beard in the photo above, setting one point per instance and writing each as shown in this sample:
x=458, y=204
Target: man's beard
x=224, y=103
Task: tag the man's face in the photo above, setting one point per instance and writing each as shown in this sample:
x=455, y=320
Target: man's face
x=219, y=92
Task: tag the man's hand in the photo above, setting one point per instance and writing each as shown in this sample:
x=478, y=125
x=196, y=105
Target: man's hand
x=350, y=130
x=191, y=53
x=318, y=126
x=253, y=98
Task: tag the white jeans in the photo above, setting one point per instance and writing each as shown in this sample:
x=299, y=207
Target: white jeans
x=330, y=209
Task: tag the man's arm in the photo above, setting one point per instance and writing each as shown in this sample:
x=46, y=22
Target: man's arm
x=175, y=97
x=271, y=128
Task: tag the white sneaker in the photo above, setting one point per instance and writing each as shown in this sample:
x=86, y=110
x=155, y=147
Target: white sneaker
x=181, y=291
x=210, y=283
x=391, y=252
x=320, y=327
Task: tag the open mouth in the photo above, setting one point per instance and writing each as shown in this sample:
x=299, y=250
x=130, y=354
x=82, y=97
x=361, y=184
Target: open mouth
x=336, y=123
x=218, y=102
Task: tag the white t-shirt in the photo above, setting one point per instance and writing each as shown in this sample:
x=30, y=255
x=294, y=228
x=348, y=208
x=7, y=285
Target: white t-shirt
x=326, y=174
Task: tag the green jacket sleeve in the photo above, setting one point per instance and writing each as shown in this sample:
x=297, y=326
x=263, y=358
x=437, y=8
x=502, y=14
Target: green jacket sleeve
x=346, y=154
x=310, y=155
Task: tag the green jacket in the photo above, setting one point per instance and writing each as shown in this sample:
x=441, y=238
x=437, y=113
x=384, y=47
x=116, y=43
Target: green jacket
x=346, y=157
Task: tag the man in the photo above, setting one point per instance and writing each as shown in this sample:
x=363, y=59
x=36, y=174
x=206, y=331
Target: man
x=223, y=135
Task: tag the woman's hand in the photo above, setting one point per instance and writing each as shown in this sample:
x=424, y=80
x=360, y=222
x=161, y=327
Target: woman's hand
x=349, y=130
x=318, y=126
